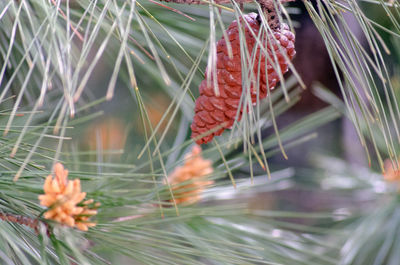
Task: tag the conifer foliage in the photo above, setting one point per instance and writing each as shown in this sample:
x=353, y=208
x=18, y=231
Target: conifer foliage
x=138, y=189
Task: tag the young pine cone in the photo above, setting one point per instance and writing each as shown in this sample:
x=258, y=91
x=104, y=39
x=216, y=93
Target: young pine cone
x=63, y=198
x=192, y=178
x=218, y=113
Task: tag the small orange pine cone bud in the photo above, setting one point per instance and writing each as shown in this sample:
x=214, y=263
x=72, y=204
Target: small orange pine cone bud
x=63, y=197
x=89, y=209
x=217, y=113
x=392, y=173
x=190, y=180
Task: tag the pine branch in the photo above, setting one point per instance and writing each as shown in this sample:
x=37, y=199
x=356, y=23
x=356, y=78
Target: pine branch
x=22, y=220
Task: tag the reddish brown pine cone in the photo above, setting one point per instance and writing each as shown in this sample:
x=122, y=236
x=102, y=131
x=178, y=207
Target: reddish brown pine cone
x=218, y=113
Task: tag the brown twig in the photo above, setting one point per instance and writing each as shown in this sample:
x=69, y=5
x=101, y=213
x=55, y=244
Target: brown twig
x=269, y=3
x=200, y=2
x=33, y=223
x=270, y=8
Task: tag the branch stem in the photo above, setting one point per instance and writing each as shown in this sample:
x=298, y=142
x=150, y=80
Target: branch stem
x=22, y=220
x=270, y=8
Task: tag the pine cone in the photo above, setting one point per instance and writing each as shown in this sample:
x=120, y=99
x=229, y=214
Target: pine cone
x=218, y=113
